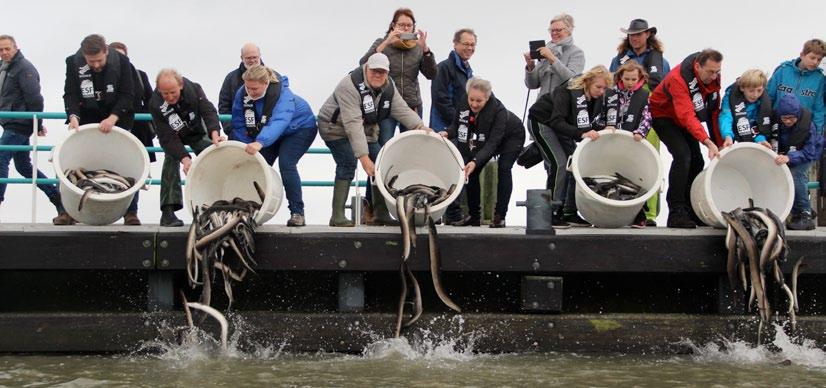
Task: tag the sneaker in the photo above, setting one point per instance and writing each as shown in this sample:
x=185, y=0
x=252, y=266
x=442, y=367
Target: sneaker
x=651, y=223
x=468, y=221
x=63, y=219
x=639, y=221
x=296, y=220
x=558, y=223
x=801, y=221
x=576, y=221
x=131, y=219
x=498, y=222
x=680, y=217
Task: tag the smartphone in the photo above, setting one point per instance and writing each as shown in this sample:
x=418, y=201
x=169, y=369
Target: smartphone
x=408, y=36
x=535, y=45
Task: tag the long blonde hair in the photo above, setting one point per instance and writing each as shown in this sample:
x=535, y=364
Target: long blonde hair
x=260, y=73
x=587, y=78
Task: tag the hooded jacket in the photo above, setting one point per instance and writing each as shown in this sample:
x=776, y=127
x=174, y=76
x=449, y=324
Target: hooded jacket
x=493, y=130
x=800, y=144
x=405, y=66
x=21, y=92
x=807, y=85
x=289, y=115
x=349, y=123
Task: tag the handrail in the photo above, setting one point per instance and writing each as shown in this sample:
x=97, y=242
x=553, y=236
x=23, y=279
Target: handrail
x=318, y=150
x=62, y=116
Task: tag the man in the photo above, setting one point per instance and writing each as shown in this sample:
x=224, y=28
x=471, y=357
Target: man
x=349, y=124
x=99, y=89
x=182, y=116
x=685, y=108
x=803, y=78
x=641, y=45
x=448, y=90
x=561, y=59
x=143, y=130
x=20, y=91
x=250, y=56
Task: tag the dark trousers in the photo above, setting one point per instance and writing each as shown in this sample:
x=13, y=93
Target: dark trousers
x=171, y=172
x=22, y=162
x=687, y=161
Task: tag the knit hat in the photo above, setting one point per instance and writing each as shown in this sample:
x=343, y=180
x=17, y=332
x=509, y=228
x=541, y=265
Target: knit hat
x=788, y=106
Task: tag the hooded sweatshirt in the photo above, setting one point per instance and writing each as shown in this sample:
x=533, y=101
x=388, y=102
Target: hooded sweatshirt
x=803, y=151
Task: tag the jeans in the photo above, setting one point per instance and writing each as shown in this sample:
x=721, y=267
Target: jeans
x=23, y=164
x=387, y=127
x=171, y=173
x=288, y=150
x=346, y=162
x=800, y=175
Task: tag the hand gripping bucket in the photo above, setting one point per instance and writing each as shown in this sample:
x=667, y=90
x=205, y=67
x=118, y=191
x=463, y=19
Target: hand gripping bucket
x=225, y=172
x=614, y=152
x=743, y=171
x=420, y=157
x=91, y=149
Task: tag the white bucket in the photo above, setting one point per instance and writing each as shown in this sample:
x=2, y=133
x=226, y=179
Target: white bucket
x=615, y=152
x=743, y=171
x=420, y=157
x=89, y=148
x=225, y=172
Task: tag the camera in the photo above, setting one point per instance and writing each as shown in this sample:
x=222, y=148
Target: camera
x=408, y=36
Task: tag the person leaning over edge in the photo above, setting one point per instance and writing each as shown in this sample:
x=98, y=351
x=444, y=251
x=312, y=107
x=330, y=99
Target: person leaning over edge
x=276, y=122
x=183, y=116
x=746, y=111
x=642, y=46
x=20, y=92
x=483, y=128
x=448, y=90
x=349, y=124
x=685, y=108
x=99, y=89
x=250, y=56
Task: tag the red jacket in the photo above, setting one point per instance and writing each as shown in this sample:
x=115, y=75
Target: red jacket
x=671, y=100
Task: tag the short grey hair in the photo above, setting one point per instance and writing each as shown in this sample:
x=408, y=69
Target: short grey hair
x=479, y=84
x=169, y=72
x=566, y=19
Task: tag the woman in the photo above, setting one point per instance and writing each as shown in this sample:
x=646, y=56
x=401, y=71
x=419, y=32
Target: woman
x=560, y=60
x=407, y=49
x=579, y=111
x=277, y=123
x=484, y=128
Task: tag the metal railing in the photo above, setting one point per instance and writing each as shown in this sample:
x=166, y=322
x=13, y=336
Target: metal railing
x=35, y=148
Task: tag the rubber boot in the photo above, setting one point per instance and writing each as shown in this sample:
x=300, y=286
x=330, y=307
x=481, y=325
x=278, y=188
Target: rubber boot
x=341, y=189
x=380, y=214
x=168, y=218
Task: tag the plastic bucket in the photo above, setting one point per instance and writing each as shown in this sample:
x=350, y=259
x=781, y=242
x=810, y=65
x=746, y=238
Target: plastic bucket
x=614, y=152
x=89, y=148
x=420, y=157
x=225, y=172
x=743, y=171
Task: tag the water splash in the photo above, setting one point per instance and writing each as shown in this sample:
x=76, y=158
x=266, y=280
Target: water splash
x=783, y=348
x=453, y=345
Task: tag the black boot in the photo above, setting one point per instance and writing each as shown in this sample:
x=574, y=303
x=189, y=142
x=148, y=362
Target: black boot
x=680, y=217
x=168, y=217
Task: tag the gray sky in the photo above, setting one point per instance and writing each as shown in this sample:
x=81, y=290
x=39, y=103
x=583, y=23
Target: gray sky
x=316, y=43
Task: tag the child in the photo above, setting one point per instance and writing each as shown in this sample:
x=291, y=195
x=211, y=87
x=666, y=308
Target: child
x=746, y=111
x=798, y=146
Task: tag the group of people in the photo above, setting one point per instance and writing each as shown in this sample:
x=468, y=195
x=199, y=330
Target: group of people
x=640, y=92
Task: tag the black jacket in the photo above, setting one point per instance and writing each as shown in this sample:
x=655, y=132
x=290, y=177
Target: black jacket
x=494, y=129
x=116, y=97
x=143, y=130
x=564, y=122
x=21, y=92
x=192, y=115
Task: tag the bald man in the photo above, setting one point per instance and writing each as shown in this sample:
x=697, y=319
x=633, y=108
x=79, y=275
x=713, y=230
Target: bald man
x=250, y=56
x=182, y=116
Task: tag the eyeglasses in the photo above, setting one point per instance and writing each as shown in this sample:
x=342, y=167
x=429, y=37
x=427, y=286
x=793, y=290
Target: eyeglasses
x=555, y=30
x=403, y=25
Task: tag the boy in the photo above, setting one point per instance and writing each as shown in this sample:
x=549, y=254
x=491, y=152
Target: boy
x=746, y=111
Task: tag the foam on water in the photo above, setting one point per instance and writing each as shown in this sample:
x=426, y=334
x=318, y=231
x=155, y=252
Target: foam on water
x=801, y=352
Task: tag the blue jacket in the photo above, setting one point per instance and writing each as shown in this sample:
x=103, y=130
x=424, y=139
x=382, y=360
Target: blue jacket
x=806, y=85
x=21, y=92
x=447, y=90
x=810, y=151
x=725, y=120
x=289, y=115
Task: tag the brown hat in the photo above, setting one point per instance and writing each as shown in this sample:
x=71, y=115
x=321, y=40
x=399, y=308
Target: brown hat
x=637, y=26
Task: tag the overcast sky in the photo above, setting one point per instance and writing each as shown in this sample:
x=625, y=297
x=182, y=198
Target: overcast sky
x=316, y=43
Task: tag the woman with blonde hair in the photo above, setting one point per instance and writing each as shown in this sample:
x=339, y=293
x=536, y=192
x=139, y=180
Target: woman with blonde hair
x=270, y=119
x=569, y=115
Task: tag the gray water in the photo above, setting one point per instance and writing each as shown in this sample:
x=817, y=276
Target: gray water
x=442, y=363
